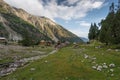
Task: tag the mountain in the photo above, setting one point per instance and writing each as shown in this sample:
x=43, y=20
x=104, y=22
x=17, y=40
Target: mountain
x=84, y=39
x=44, y=25
x=14, y=28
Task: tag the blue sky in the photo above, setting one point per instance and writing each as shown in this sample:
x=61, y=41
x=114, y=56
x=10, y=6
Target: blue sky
x=74, y=15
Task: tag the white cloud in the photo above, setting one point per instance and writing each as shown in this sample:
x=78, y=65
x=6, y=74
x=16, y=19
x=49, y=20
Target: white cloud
x=83, y=23
x=80, y=32
x=97, y=4
x=53, y=10
x=66, y=12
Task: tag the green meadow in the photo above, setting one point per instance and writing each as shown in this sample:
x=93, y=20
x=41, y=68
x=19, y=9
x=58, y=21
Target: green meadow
x=69, y=63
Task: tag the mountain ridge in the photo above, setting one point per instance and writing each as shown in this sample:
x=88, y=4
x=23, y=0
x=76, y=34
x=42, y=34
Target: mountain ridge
x=46, y=26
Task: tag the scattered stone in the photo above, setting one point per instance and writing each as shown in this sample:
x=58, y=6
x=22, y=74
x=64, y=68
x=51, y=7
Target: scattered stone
x=32, y=69
x=97, y=47
x=111, y=70
x=117, y=50
x=94, y=58
x=94, y=67
x=105, y=66
x=109, y=49
x=99, y=68
x=86, y=56
x=112, y=65
x=102, y=53
x=93, y=62
x=112, y=74
x=46, y=61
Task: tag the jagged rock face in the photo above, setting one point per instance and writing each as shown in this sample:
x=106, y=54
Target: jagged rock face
x=44, y=25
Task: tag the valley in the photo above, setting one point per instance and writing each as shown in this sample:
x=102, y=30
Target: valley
x=59, y=40
x=84, y=62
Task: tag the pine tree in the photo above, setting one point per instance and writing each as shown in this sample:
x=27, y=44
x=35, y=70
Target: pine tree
x=93, y=32
x=110, y=27
x=107, y=27
x=117, y=28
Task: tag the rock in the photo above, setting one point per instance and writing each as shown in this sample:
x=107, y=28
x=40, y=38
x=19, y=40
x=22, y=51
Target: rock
x=117, y=50
x=32, y=69
x=105, y=66
x=99, y=68
x=93, y=62
x=112, y=65
x=86, y=56
x=93, y=58
x=97, y=47
x=111, y=70
x=94, y=67
x=46, y=61
x=102, y=53
x=112, y=74
x=109, y=49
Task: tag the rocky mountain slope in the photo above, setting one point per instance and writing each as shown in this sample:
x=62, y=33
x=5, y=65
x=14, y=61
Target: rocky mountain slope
x=14, y=28
x=44, y=25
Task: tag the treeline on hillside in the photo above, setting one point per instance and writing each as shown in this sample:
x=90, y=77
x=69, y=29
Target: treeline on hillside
x=109, y=32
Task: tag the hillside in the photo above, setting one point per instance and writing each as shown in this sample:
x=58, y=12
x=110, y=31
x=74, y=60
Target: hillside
x=44, y=25
x=15, y=28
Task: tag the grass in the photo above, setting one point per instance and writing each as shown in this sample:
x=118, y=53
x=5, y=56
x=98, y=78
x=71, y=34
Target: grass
x=69, y=64
x=8, y=53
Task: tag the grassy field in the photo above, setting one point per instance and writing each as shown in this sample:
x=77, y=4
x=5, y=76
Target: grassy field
x=73, y=64
x=9, y=53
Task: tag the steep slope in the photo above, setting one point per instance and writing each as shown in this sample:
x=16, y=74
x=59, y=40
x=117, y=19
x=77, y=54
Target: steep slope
x=44, y=25
x=14, y=28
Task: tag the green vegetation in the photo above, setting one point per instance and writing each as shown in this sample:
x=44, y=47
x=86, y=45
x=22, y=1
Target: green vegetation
x=30, y=34
x=11, y=53
x=110, y=28
x=70, y=64
x=3, y=31
x=93, y=32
